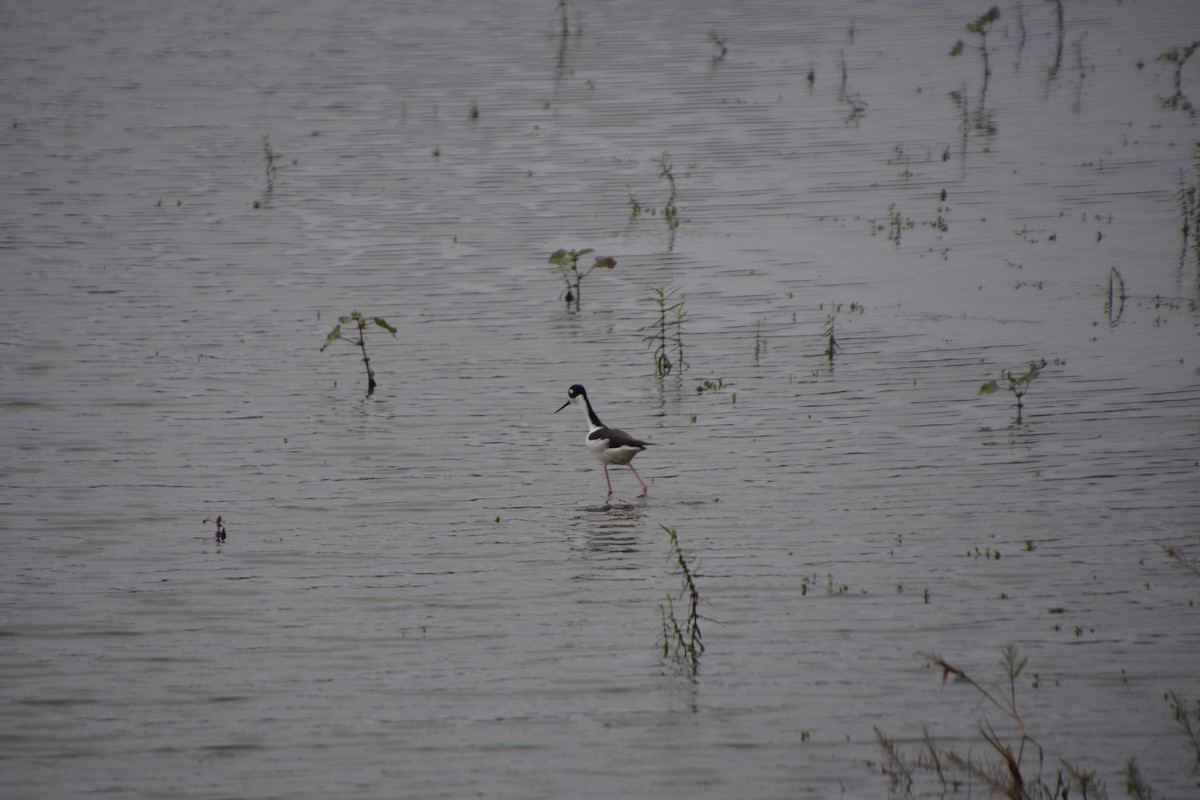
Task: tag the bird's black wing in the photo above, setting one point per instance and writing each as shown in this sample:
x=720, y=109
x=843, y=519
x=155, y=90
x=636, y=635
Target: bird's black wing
x=617, y=438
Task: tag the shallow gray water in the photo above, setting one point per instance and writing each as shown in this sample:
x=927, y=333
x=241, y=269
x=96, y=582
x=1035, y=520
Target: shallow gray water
x=425, y=593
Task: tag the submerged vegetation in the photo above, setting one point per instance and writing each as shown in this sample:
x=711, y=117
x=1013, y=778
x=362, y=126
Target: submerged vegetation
x=361, y=323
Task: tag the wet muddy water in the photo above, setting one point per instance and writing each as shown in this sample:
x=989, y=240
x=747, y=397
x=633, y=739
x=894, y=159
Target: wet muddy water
x=425, y=593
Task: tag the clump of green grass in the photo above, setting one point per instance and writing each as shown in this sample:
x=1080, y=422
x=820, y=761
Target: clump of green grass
x=567, y=262
x=681, y=638
x=1010, y=765
x=361, y=324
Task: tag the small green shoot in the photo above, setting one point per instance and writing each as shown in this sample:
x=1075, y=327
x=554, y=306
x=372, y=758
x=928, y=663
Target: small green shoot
x=1017, y=384
x=361, y=323
x=567, y=262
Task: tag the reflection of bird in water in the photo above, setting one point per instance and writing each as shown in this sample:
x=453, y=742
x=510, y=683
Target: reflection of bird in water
x=609, y=445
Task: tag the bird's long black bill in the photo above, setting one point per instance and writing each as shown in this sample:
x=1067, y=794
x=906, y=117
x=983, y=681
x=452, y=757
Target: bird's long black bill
x=564, y=405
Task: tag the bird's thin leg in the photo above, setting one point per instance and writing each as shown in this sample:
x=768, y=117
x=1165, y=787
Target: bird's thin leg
x=607, y=479
x=645, y=488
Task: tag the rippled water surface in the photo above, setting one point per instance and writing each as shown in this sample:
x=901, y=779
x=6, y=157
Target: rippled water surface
x=425, y=593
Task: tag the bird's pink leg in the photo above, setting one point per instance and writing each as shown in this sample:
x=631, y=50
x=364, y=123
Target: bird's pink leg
x=607, y=479
x=645, y=488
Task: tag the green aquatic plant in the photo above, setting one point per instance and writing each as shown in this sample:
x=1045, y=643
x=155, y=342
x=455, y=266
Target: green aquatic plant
x=567, y=262
x=858, y=106
x=981, y=26
x=1189, y=206
x=271, y=160
x=666, y=332
x=828, y=332
x=719, y=43
x=895, y=225
x=1178, y=57
x=563, y=8
x=1183, y=559
x=361, y=324
x=219, y=534
x=665, y=171
x=1184, y=715
x=681, y=636
x=635, y=208
x=1116, y=296
x=1017, y=384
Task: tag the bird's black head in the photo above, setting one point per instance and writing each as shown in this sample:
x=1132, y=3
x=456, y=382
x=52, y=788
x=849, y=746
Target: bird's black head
x=575, y=391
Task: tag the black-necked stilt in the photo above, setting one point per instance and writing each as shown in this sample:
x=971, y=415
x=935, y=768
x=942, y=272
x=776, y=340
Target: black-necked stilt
x=610, y=445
